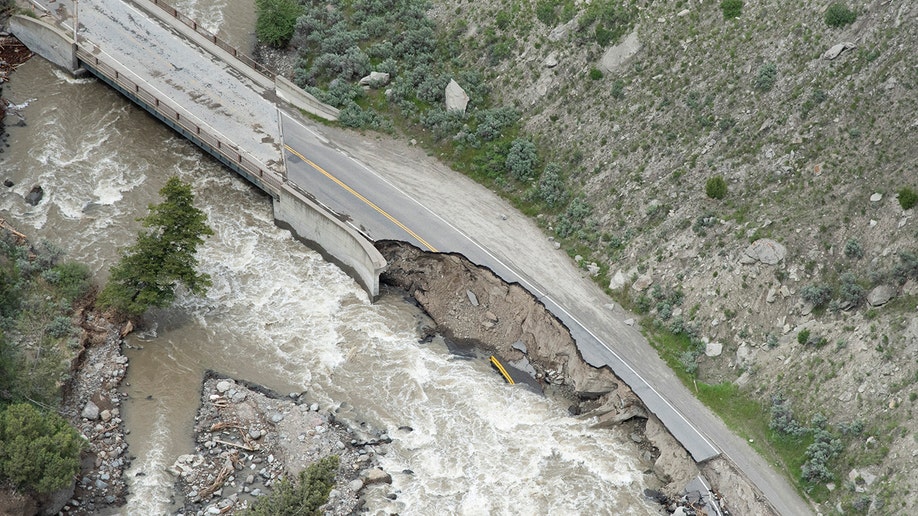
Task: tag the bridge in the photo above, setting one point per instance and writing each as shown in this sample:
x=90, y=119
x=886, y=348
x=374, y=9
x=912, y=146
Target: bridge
x=239, y=112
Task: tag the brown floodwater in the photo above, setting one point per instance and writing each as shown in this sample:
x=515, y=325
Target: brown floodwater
x=281, y=316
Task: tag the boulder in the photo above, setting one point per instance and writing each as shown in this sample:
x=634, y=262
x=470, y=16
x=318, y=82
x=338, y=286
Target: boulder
x=713, y=349
x=35, y=195
x=837, y=49
x=744, y=355
x=376, y=476
x=551, y=61
x=472, y=297
x=90, y=411
x=876, y=197
x=456, y=98
x=764, y=250
x=881, y=295
x=616, y=56
x=8, y=183
x=617, y=281
x=643, y=282
x=520, y=346
x=375, y=79
x=223, y=386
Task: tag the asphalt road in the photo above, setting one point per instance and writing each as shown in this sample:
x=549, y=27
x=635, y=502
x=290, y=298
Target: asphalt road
x=384, y=210
x=223, y=99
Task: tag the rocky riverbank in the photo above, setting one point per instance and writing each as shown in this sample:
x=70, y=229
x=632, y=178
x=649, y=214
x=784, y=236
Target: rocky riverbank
x=92, y=403
x=470, y=303
x=249, y=437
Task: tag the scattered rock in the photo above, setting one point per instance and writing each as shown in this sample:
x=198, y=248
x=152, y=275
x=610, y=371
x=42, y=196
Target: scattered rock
x=593, y=269
x=519, y=346
x=745, y=355
x=456, y=98
x=881, y=295
x=642, y=283
x=376, y=476
x=764, y=250
x=771, y=296
x=223, y=386
x=618, y=280
x=836, y=50
x=90, y=411
x=375, y=79
x=713, y=349
x=616, y=56
x=35, y=195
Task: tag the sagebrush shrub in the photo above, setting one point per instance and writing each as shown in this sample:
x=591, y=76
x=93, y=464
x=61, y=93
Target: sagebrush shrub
x=768, y=75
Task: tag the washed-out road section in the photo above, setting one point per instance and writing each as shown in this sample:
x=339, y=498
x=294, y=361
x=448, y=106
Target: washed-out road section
x=389, y=190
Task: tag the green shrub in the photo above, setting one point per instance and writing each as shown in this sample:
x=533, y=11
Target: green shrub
x=820, y=453
x=803, y=337
x=731, y=8
x=38, y=451
x=618, y=89
x=816, y=295
x=595, y=74
x=545, y=12
x=908, y=198
x=839, y=15
x=573, y=218
x=768, y=75
x=551, y=186
x=716, y=187
x=491, y=122
x=907, y=268
x=276, y=21
x=59, y=327
x=782, y=417
x=850, y=292
x=521, y=159
x=304, y=497
x=853, y=249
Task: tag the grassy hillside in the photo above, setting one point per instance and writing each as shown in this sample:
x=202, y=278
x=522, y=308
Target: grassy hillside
x=656, y=140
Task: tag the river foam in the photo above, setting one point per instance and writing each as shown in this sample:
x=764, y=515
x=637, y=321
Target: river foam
x=279, y=315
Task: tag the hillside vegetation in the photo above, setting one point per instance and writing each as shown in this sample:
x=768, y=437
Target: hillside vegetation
x=656, y=141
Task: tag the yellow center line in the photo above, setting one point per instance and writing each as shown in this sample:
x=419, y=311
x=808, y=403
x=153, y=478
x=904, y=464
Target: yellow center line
x=368, y=202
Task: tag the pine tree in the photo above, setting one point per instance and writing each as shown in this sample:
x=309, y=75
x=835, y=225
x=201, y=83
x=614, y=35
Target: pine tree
x=162, y=256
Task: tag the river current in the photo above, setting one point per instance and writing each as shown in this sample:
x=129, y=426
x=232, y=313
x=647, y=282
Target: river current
x=281, y=316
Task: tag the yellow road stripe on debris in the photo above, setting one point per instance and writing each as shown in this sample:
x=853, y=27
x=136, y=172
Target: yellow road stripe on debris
x=368, y=202
x=503, y=371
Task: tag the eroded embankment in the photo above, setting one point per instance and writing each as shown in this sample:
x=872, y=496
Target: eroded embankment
x=471, y=303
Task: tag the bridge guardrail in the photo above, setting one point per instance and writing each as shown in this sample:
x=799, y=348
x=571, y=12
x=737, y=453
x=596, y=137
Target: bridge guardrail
x=233, y=51
x=182, y=118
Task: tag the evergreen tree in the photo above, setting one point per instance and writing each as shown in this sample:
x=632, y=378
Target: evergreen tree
x=37, y=451
x=162, y=256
